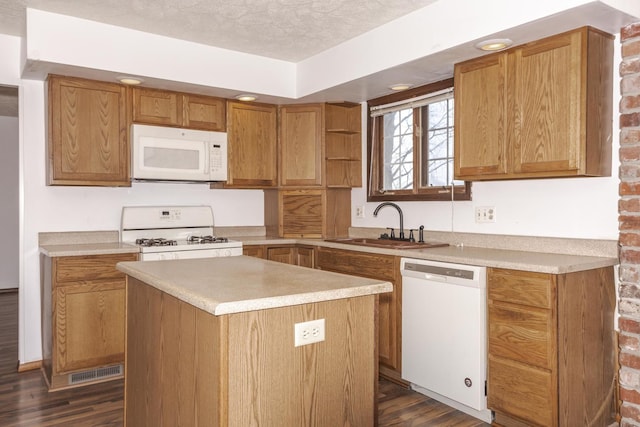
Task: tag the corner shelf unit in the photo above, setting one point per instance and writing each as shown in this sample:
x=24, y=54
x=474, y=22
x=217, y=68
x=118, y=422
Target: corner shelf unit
x=343, y=145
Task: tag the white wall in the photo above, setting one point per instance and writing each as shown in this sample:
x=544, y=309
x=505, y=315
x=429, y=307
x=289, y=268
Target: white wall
x=568, y=207
x=9, y=203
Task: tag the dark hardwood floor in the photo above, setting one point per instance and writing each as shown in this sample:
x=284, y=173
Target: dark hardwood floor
x=24, y=400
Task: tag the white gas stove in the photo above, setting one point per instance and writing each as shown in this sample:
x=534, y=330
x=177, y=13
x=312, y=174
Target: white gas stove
x=174, y=232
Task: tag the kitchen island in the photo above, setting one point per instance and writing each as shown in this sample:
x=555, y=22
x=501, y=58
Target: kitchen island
x=211, y=342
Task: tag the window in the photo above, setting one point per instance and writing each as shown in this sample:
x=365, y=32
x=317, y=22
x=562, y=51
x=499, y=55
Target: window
x=411, y=146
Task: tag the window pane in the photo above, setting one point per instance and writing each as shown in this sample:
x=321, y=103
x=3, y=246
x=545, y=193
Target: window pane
x=398, y=150
x=437, y=114
x=438, y=143
x=438, y=173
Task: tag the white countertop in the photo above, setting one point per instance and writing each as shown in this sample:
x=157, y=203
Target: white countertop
x=541, y=262
x=77, y=244
x=80, y=249
x=238, y=284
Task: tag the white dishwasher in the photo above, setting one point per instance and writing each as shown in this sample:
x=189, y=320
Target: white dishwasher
x=444, y=333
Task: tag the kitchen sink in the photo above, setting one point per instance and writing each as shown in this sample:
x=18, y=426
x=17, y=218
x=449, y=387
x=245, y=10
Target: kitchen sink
x=387, y=243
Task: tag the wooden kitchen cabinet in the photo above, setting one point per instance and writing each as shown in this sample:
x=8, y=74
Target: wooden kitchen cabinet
x=321, y=145
x=305, y=256
x=308, y=213
x=301, y=255
x=252, y=151
x=256, y=251
x=284, y=254
x=168, y=108
x=540, y=110
x=381, y=267
x=301, y=147
x=343, y=145
x=83, y=319
x=551, y=356
x=88, y=134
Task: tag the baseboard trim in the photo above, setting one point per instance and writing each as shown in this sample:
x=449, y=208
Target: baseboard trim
x=31, y=366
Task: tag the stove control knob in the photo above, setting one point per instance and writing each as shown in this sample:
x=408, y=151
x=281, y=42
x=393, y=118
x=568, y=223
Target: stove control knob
x=215, y=254
x=227, y=252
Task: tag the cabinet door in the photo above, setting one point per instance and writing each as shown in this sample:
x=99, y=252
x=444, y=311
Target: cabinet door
x=282, y=254
x=89, y=324
x=253, y=250
x=252, y=136
x=302, y=213
x=301, y=145
x=157, y=107
x=549, y=108
x=480, y=140
x=204, y=112
x=522, y=391
x=305, y=256
x=381, y=267
x=88, y=133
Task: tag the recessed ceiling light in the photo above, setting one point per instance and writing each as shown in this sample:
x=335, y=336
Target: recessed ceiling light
x=130, y=80
x=400, y=86
x=247, y=97
x=494, y=44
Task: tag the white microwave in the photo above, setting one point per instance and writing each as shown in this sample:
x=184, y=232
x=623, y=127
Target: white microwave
x=174, y=154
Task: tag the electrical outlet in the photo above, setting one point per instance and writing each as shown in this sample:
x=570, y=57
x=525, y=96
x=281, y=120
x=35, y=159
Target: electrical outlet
x=485, y=214
x=359, y=211
x=308, y=332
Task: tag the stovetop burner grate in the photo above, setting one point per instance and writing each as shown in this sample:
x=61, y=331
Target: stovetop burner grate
x=156, y=242
x=207, y=239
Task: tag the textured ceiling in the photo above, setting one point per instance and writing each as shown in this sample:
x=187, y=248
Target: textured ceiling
x=284, y=29
x=290, y=30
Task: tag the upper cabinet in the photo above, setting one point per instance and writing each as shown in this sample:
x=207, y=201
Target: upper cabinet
x=539, y=110
x=252, y=150
x=321, y=145
x=167, y=108
x=88, y=141
x=301, y=145
x=343, y=145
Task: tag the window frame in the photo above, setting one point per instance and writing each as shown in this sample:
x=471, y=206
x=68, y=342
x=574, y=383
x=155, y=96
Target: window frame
x=375, y=161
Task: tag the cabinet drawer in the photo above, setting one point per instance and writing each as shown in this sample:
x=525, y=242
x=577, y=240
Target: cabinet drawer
x=521, y=287
x=525, y=334
x=90, y=267
x=522, y=391
x=358, y=264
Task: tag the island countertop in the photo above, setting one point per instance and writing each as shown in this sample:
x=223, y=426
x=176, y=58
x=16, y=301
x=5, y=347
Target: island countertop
x=241, y=283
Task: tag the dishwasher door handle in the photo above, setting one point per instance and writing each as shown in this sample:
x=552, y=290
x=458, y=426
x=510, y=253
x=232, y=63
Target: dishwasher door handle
x=424, y=276
x=435, y=278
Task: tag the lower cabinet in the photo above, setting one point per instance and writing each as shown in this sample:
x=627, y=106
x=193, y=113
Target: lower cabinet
x=551, y=347
x=83, y=319
x=382, y=267
x=284, y=254
x=301, y=255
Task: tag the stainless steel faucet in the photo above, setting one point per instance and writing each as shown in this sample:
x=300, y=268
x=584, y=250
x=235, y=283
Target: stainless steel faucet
x=381, y=205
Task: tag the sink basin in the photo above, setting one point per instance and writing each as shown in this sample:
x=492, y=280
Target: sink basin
x=387, y=243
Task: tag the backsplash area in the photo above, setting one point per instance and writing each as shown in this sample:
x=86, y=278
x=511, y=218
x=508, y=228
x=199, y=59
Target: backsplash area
x=587, y=247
